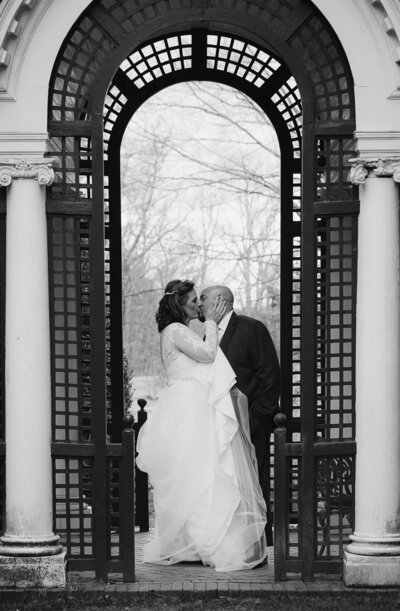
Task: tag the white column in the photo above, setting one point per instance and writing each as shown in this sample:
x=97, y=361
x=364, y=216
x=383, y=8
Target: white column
x=29, y=506
x=373, y=557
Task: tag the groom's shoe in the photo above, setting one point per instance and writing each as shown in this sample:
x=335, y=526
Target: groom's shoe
x=262, y=563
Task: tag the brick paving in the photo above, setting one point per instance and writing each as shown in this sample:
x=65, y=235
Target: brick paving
x=196, y=578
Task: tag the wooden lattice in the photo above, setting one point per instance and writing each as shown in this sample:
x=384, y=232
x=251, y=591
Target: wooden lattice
x=284, y=55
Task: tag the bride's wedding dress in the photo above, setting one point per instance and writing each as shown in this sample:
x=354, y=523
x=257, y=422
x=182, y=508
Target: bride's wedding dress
x=207, y=499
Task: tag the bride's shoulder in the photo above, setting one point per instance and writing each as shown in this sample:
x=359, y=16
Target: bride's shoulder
x=172, y=333
x=174, y=327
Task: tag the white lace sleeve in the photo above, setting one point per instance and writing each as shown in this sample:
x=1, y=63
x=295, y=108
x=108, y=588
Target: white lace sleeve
x=190, y=343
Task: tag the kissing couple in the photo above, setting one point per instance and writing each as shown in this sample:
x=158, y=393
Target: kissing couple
x=205, y=445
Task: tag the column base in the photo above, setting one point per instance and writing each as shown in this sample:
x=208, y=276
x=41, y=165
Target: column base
x=33, y=571
x=33, y=545
x=371, y=571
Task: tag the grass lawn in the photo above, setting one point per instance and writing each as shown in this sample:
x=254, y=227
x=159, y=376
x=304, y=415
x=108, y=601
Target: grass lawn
x=324, y=601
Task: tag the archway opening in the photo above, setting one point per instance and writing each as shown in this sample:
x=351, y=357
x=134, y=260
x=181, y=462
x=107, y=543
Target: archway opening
x=200, y=181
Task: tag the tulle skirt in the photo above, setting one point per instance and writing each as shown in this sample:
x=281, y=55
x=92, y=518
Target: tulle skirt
x=208, y=503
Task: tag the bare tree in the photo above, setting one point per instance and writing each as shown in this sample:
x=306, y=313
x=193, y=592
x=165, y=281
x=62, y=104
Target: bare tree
x=200, y=189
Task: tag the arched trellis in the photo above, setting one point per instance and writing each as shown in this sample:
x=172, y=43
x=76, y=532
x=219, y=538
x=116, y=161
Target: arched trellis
x=287, y=45
x=250, y=69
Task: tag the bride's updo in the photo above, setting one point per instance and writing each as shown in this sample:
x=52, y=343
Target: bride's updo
x=170, y=307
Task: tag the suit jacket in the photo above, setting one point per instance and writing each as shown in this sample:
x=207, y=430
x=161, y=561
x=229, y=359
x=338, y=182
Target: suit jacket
x=248, y=347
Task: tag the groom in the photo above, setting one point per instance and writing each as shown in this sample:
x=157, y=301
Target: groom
x=248, y=347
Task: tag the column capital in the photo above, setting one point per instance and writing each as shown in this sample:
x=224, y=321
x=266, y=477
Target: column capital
x=378, y=166
x=40, y=169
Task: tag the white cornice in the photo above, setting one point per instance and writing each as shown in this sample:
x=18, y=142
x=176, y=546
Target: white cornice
x=387, y=14
x=23, y=143
x=378, y=143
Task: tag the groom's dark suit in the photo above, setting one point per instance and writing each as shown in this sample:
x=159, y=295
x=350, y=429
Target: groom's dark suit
x=248, y=347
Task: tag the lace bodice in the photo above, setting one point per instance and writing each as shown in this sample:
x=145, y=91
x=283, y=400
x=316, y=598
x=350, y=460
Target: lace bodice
x=182, y=349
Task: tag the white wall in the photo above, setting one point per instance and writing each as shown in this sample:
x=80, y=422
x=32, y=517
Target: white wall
x=369, y=31
x=31, y=55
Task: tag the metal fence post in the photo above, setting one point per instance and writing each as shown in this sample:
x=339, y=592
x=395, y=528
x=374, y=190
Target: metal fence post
x=127, y=492
x=142, y=479
x=280, y=498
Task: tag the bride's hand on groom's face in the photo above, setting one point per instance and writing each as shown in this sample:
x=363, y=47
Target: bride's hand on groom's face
x=217, y=310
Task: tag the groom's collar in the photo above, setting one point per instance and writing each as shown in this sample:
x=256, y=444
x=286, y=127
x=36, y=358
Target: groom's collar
x=225, y=321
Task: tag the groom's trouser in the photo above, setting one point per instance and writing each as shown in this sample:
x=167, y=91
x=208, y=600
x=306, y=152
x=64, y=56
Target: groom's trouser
x=260, y=438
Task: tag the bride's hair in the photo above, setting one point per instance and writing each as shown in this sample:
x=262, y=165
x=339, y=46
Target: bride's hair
x=170, y=307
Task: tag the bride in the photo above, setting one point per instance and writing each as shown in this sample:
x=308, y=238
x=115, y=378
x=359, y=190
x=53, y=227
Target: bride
x=208, y=503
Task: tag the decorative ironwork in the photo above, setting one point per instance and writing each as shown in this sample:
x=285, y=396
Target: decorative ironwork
x=335, y=505
x=319, y=210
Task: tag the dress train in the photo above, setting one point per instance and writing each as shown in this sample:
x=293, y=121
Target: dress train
x=208, y=502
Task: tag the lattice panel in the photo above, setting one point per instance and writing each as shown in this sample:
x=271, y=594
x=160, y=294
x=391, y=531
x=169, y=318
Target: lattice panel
x=86, y=51
x=333, y=155
x=108, y=297
x=293, y=487
x=288, y=102
x=73, y=504
x=158, y=59
x=113, y=104
x=334, y=512
x=224, y=54
x=271, y=445
x=147, y=63
x=296, y=197
x=296, y=332
x=240, y=58
x=122, y=11
x=71, y=349
x=129, y=13
x=335, y=326
x=73, y=168
x=328, y=69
